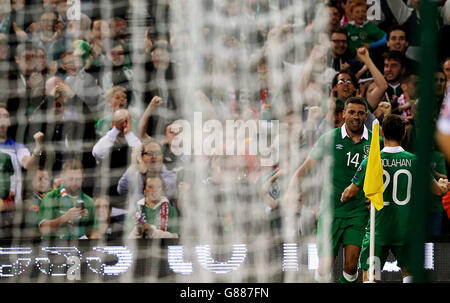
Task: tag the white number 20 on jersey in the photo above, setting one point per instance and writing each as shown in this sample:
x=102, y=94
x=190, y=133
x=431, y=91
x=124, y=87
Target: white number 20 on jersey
x=395, y=185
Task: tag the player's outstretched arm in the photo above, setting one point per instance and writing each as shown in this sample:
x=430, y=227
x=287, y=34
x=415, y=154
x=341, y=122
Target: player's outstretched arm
x=350, y=192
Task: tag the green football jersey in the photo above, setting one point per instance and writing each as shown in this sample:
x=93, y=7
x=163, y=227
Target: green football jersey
x=346, y=157
x=367, y=33
x=56, y=203
x=392, y=221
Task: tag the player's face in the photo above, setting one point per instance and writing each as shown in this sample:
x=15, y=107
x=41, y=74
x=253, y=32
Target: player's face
x=72, y=180
x=355, y=115
x=153, y=189
x=397, y=41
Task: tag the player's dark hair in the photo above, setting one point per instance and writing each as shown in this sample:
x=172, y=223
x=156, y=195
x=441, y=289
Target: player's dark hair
x=393, y=127
x=356, y=100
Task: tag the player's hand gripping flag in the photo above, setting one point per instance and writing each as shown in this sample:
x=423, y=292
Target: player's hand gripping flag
x=373, y=181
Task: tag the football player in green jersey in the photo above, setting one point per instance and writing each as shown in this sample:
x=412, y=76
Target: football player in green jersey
x=392, y=221
x=347, y=146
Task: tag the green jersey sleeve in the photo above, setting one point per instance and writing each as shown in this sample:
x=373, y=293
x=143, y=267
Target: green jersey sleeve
x=46, y=208
x=374, y=32
x=358, y=178
x=321, y=147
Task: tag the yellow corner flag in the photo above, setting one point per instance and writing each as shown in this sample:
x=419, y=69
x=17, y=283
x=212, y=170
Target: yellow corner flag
x=373, y=181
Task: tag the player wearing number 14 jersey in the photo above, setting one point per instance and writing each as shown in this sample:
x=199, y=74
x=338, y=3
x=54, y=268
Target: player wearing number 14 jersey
x=392, y=221
x=345, y=147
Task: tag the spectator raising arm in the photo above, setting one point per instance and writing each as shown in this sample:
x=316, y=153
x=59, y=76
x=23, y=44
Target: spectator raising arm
x=32, y=161
x=374, y=97
x=143, y=122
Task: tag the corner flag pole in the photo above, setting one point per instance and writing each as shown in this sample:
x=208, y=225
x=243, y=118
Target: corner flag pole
x=373, y=189
x=372, y=244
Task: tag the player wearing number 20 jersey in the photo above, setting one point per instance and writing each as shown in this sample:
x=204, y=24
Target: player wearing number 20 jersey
x=391, y=222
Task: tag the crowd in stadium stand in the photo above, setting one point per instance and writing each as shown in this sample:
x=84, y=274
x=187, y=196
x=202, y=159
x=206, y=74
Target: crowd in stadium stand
x=87, y=123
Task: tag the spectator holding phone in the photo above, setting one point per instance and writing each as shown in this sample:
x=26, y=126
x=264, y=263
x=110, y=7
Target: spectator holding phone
x=67, y=212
